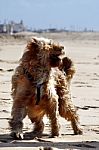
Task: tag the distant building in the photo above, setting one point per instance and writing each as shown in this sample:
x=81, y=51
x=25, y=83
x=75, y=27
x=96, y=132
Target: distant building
x=2, y=28
x=12, y=27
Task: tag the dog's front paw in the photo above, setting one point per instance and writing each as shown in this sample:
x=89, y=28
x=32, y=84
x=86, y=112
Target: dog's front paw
x=54, y=135
x=17, y=135
x=78, y=131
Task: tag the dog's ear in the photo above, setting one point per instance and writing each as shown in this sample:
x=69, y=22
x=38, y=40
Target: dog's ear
x=33, y=44
x=34, y=40
x=31, y=51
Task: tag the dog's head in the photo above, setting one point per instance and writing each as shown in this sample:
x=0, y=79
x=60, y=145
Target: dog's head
x=45, y=52
x=55, y=54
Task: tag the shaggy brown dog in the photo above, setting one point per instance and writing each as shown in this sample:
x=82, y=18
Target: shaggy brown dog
x=40, y=86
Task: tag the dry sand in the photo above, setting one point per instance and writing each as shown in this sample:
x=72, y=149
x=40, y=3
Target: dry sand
x=83, y=48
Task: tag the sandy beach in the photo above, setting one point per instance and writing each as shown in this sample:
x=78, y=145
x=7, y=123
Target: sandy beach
x=83, y=48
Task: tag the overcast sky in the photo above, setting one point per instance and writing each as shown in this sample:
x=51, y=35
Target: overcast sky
x=52, y=13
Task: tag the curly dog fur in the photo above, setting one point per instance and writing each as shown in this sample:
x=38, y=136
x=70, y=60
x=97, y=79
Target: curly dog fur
x=40, y=85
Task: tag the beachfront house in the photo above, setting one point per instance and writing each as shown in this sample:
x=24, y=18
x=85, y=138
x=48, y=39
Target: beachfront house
x=12, y=27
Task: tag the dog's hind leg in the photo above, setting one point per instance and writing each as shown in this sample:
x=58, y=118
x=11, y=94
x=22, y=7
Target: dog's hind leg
x=38, y=127
x=35, y=114
x=18, y=114
x=66, y=107
x=51, y=111
x=68, y=112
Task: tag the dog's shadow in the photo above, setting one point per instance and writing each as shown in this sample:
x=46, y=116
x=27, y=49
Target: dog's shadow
x=33, y=135
x=7, y=141
x=7, y=138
